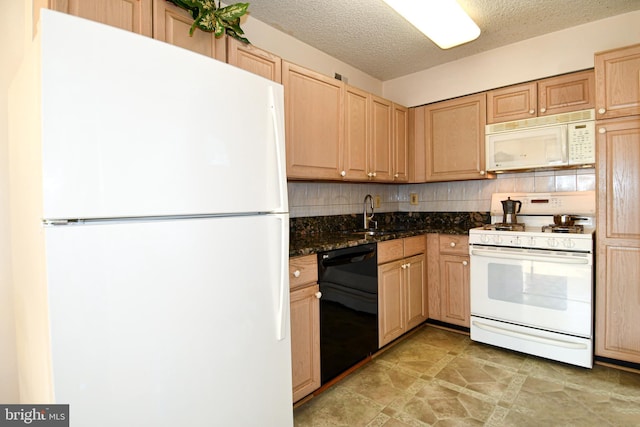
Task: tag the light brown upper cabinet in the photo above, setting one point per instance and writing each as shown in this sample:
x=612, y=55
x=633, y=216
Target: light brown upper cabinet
x=617, y=86
x=357, y=118
x=400, y=143
x=375, y=146
x=171, y=24
x=254, y=60
x=381, y=153
x=130, y=15
x=454, y=136
x=417, y=160
x=560, y=94
x=314, y=109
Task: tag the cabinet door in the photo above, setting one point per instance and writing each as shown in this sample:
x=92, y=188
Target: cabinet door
x=455, y=139
x=434, y=299
x=617, y=86
x=400, y=143
x=571, y=92
x=381, y=152
x=416, y=291
x=313, y=122
x=512, y=103
x=254, y=60
x=391, y=319
x=356, y=140
x=130, y=15
x=171, y=24
x=417, y=159
x=305, y=341
x=454, y=288
x=619, y=179
x=617, y=304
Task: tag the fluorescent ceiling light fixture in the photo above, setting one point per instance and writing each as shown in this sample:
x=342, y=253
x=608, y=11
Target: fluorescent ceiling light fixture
x=443, y=21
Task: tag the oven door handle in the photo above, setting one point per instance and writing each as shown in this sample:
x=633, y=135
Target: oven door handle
x=529, y=337
x=530, y=257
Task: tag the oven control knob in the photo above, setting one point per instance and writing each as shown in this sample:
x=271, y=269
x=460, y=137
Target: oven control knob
x=497, y=239
x=552, y=242
x=532, y=241
x=484, y=238
x=568, y=243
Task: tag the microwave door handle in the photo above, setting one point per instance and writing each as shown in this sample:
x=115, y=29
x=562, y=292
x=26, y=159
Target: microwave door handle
x=529, y=257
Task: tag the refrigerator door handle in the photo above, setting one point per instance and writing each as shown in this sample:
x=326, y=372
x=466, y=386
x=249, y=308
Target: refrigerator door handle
x=279, y=144
x=281, y=320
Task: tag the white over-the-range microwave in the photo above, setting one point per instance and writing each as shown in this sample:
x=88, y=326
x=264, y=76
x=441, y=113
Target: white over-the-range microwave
x=561, y=140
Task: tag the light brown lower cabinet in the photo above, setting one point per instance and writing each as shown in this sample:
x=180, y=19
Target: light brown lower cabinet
x=402, y=297
x=448, y=272
x=305, y=325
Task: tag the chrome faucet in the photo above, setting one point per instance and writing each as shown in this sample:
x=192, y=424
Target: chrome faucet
x=369, y=219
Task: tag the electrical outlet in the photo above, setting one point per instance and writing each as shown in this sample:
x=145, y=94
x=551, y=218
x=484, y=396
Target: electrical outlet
x=413, y=198
x=376, y=201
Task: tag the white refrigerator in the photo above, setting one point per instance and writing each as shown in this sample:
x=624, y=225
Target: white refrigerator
x=149, y=233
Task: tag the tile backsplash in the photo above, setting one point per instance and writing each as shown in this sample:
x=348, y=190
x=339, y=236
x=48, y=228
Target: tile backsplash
x=321, y=199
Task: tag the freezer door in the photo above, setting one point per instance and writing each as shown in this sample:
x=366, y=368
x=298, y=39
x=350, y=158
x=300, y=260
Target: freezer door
x=172, y=323
x=132, y=126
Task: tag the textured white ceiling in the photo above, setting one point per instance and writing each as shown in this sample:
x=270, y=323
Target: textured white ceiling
x=370, y=36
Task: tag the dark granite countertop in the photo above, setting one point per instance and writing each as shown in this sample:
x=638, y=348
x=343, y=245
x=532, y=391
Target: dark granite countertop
x=319, y=234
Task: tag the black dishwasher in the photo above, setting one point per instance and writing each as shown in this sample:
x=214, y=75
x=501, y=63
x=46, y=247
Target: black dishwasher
x=348, y=280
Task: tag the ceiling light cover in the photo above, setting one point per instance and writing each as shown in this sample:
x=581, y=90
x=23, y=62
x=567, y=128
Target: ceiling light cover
x=443, y=21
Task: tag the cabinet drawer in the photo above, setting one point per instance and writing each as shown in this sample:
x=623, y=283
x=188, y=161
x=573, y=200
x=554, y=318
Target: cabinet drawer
x=414, y=245
x=303, y=270
x=390, y=250
x=454, y=244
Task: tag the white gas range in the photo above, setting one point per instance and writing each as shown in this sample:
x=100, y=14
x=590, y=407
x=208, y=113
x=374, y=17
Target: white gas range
x=532, y=281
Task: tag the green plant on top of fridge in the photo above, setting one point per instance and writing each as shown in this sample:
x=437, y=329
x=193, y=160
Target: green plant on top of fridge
x=215, y=19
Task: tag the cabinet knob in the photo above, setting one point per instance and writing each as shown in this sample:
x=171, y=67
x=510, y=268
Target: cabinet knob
x=452, y=244
x=296, y=273
x=602, y=130
x=343, y=173
x=318, y=294
x=543, y=110
x=601, y=111
x=482, y=172
x=396, y=175
x=369, y=174
x=532, y=111
x=374, y=174
x=465, y=262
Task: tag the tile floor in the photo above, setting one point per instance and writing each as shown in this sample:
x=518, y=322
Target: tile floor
x=442, y=378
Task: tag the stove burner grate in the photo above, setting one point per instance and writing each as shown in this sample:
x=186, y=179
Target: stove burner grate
x=505, y=226
x=555, y=228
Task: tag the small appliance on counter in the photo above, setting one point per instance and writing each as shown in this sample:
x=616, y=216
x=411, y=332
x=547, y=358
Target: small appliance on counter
x=531, y=286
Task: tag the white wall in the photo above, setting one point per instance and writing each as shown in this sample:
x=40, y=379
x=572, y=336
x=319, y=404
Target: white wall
x=12, y=22
x=299, y=53
x=555, y=53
